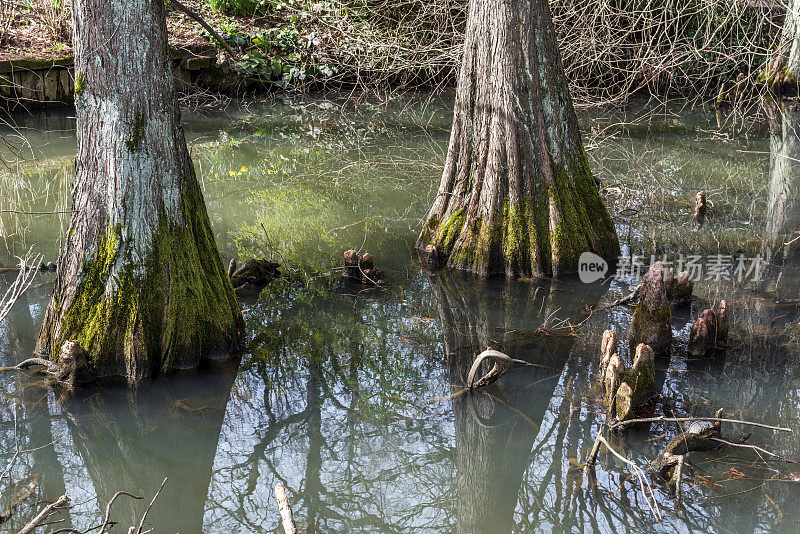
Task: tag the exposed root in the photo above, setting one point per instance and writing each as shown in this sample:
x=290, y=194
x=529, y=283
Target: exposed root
x=502, y=364
x=710, y=331
x=73, y=366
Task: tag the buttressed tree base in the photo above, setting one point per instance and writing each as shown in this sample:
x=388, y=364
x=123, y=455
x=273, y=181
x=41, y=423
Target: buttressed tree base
x=517, y=196
x=140, y=282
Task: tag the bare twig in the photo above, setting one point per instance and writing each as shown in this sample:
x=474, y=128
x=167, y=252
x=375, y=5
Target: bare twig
x=144, y=516
x=644, y=484
x=107, y=518
x=21, y=284
x=44, y=514
x=755, y=448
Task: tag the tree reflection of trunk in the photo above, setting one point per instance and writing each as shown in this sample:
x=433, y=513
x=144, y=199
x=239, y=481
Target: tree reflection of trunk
x=21, y=341
x=130, y=440
x=496, y=428
x=783, y=205
x=313, y=487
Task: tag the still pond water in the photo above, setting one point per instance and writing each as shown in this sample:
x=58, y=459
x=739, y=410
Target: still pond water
x=344, y=393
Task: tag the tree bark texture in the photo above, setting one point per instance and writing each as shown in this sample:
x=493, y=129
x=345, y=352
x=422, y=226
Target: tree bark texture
x=140, y=281
x=788, y=59
x=517, y=196
x=783, y=201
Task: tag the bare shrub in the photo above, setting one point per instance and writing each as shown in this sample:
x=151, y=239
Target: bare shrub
x=8, y=10
x=610, y=49
x=55, y=15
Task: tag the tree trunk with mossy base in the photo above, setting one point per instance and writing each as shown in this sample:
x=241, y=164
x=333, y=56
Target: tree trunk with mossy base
x=782, y=69
x=517, y=196
x=140, y=282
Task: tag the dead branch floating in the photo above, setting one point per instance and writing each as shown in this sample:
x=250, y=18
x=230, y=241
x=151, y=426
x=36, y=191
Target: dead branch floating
x=44, y=514
x=621, y=424
x=285, y=509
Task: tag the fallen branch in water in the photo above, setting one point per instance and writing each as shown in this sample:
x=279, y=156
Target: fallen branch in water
x=147, y=511
x=502, y=364
x=757, y=449
x=107, y=522
x=285, y=509
x=621, y=424
x=107, y=517
x=44, y=514
x=644, y=484
x=31, y=483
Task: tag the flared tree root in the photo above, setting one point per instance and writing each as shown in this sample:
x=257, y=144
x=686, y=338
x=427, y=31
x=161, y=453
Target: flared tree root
x=434, y=257
x=72, y=368
x=710, y=331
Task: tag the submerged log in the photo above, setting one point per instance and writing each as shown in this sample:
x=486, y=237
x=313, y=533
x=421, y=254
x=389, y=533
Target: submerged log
x=700, y=210
x=710, y=331
x=651, y=323
x=697, y=435
x=252, y=275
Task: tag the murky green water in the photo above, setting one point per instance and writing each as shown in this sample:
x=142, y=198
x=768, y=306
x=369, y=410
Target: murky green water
x=343, y=392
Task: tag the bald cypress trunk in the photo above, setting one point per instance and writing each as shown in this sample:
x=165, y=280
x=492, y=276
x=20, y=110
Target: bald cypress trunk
x=783, y=200
x=517, y=196
x=140, y=281
x=784, y=67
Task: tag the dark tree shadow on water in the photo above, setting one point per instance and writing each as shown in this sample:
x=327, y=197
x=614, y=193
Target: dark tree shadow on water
x=130, y=440
x=497, y=426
